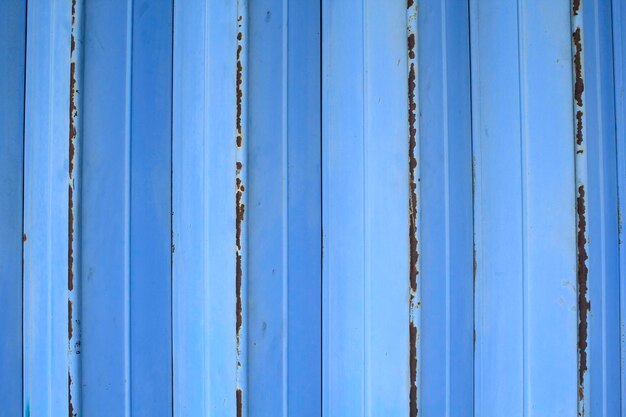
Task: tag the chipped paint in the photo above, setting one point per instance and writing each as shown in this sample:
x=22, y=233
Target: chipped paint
x=579, y=86
x=584, y=306
x=73, y=302
x=581, y=181
x=240, y=206
x=414, y=301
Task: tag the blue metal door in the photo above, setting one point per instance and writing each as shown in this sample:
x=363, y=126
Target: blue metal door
x=305, y=208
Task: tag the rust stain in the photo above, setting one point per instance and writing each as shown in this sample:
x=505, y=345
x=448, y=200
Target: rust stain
x=69, y=395
x=239, y=403
x=411, y=41
x=413, y=251
x=579, y=85
x=70, y=242
x=70, y=327
x=240, y=212
x=24, y=237
x=584, y=306
x=409, y=3
x=413, y=370
x=579, y=128
x=239, y=91
x=575, y=7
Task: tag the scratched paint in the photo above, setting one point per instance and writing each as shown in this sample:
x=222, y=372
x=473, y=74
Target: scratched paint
x=73, y=208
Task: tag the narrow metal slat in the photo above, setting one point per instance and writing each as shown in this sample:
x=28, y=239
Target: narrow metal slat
x=445, y=209
x=105, y=216
x=365, y=206
x=284, y=264
x=150, y=210
x=525, y=242
x=13, y=55
x=619, y=71
x=46, y=177
x=204, y=209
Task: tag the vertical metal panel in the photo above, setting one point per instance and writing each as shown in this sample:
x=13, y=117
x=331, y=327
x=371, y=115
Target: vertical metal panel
x=13, y=55
x=619, y=71
x=365, y=209
x=204, y=187
x=446, y=264
x=524, y=221
x=105, y=216
x=600, y=200
x=46, y=145
x=150, y=210
x=284, y=266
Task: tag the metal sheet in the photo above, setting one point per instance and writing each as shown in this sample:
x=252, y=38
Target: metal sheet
x=13, y=55
x=338, y=208
x=365, y=209
x=525, y=319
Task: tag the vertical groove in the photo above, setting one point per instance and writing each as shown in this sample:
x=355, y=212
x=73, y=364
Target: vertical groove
x=523, y=164
x=23, y=189
x=127, y=208
x=285, y=210
x=365, y=407
x=446, y=173
x=171, y=217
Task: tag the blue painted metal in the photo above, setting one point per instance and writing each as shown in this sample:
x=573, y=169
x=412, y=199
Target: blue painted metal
x=525, y=318
x=45, y=229
x=446, y=252
x=283, y=210
x=338, y=208
x=204, y=218
x=365, y=209
x=13, y=55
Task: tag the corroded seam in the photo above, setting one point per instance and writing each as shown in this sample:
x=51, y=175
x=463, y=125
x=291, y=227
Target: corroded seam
x=73, y=337
x=240, y=206
x=582, y=270
x=413, y=208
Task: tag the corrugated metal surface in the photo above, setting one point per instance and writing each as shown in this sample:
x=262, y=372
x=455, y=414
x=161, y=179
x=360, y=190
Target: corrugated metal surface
x=338, y=208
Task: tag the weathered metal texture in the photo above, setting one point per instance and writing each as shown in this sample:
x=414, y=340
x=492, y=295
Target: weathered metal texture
x=524, y=200
x=365, y=208
x=167, y=169
x=445, y=208
x=12, y=56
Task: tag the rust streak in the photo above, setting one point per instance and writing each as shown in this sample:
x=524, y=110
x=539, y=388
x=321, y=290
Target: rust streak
x=240, y=212
x=70, y=242
x=579, y=85
x=69, y=395
x=413, y=369
x=575, y=7
x=584, y=306
x=70, y=327
x=239, y=92
x=414, y=255
x=239, y=403
x=579, y=127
